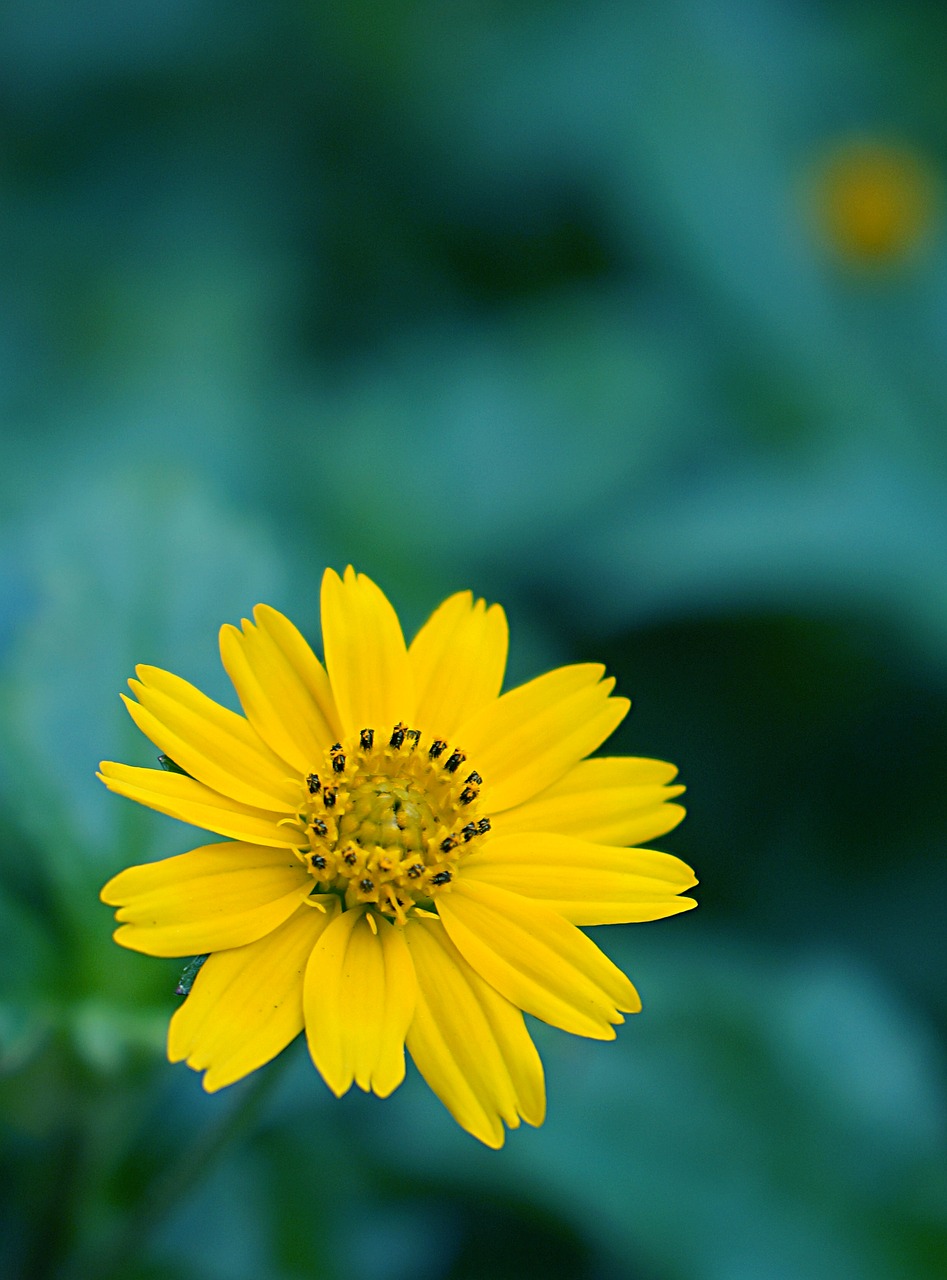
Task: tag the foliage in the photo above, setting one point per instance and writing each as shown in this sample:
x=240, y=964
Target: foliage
x=533, y=299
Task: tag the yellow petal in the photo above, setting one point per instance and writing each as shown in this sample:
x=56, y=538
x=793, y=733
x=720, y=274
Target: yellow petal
x=217, y=896
x=214, y=745
x=586, y=883
x=458, y=659
x=469, y=1043
x=282, y=687
x=359, y=997
x=191, y=801
x=246, y=1004
x=365, y=654
x=618, y=801
x=531, y=736
x=614, y=771
x=537, y=959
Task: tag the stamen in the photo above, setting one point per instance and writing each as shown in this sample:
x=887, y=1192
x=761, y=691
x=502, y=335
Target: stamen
x=474, y=778
x=437, y=747
x=397, y=906
x=319, y=827
x=398, y=735
x=442, y=877
x=483, y=826
x=415, y=736
x=469, y=831
x=455, y=761
x=313, y=783
x=338, y=757
x=328, y=796
x=450, y=843
x=318, y=861
x=468, y=794
x=367, y=739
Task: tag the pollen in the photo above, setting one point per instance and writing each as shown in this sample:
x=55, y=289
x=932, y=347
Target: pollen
x=394, y=825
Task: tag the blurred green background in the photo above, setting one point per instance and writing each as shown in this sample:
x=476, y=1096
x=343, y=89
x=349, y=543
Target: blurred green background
x=631, y=318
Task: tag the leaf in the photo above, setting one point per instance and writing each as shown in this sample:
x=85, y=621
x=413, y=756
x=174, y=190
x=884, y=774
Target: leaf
x=142, y=567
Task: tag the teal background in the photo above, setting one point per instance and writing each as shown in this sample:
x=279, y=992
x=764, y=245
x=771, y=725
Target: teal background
x=529, y=298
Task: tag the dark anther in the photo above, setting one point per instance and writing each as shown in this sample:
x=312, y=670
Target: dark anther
x=338, y=757
x=468, y=794
x=319, y=826
x=415, y=736
x=313, y=783
x=328, y=797
x=454, y=763
x=350, y=859
x=367, y=739
x=318, y=861
x=366, y=885
x=442, y=877
x=450, y=843
x=474, y=778
x=437, y=747
x=483, y=826
x=397, y=735
x=469, y=831
x=416, y=869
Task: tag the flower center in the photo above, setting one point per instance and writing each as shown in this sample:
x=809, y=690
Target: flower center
x=387, y=820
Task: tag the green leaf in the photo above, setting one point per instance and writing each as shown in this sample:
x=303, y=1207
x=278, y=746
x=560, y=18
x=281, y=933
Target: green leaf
x=142, y=568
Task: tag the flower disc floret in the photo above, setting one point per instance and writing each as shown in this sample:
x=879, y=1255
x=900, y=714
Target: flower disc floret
x=388, y=818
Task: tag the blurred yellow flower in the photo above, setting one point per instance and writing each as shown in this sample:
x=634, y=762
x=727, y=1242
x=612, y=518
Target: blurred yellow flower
x=409, y=854
x=874, y=200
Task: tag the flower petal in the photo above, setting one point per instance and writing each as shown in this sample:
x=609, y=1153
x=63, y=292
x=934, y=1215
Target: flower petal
x=538, y=960
x=458, y=659
x=617, y=801
x=586, y=883
x=282, y=687
x=469, y=1043
x=190, y=801
x=214, y=745
x=359, y=997
x=246, y=1004
x=217, y=896
x=365, y=654
x=531, y=736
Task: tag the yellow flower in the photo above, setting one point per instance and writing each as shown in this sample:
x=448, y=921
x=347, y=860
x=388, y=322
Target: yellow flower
x=409, y=854
x=875, y=200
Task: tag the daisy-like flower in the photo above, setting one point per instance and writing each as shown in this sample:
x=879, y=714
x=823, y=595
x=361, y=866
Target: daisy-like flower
x=409, y=854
